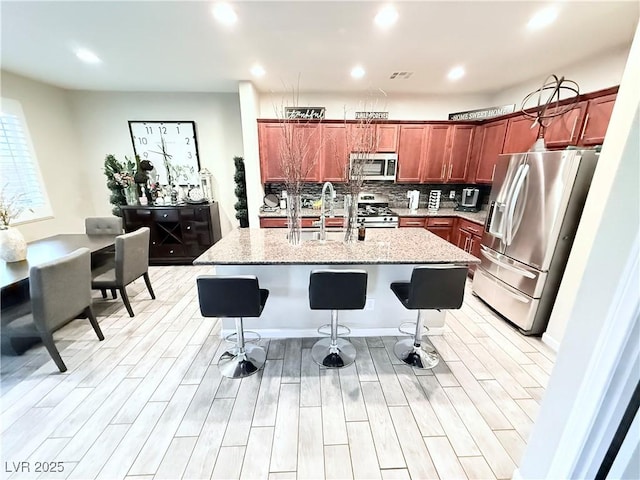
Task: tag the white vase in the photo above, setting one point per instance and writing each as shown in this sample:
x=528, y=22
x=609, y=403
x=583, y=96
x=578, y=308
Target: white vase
x=13, y=247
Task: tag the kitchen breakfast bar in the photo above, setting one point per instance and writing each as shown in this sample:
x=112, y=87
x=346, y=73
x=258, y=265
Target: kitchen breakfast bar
x=387, y=254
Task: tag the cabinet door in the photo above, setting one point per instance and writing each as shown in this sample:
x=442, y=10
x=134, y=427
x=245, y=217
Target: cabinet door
x=310, y=136
x=335, y=157
x=461, y=142
x=363, y=137
x=411, y=147
x=520, y=136
x=597, y=120
x=464, y=240
x=387, y=138
x=269, y=139
x=436, y=162
x=493, y=135
x=442, y=232
x=565, y=129
x=474, y=245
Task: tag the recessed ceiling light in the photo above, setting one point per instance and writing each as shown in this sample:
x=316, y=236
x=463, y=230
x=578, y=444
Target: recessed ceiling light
x=87, y=56
x=456, y=73
x=543, y=18
x=257, y=71
x=357, y=72
x=224, y=13
x=386, y=17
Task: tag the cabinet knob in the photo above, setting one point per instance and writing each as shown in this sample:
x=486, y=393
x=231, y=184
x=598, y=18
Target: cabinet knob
x=171, y=252
x=153, y=243
x=164, y=215
x=189, y=227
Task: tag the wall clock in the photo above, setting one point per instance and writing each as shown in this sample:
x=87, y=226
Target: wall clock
x=171, y=146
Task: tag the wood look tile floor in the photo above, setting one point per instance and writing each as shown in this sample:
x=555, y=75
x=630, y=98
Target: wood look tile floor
x=149, y=401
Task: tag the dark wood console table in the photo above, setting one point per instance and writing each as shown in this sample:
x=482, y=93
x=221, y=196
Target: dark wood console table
x=179, y=233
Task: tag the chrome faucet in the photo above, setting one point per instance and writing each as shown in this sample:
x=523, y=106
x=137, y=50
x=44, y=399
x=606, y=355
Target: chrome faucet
x=332, y=193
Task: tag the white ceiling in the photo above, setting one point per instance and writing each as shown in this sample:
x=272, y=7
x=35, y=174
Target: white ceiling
x=179, y=47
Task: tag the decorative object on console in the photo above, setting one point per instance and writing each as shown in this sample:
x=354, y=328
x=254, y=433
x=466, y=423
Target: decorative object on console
x=13, y=247
x=206, y=185
x=242, y=213
x=119, y=179
x=545, y=111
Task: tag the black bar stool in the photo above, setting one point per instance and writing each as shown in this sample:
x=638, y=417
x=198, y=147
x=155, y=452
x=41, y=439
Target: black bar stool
x=234, y=297
x=432, y=287
x=336, y=290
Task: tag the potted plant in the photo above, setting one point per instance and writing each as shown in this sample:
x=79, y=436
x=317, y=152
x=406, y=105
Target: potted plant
x=242, y=213
x=120, y=182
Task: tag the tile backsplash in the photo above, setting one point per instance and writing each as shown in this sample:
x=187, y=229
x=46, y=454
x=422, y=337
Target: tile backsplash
x=397, y=192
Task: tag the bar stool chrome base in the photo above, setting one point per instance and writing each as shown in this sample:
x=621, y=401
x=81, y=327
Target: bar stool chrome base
x=420, y=356
x=342, y=354
x=233, y=364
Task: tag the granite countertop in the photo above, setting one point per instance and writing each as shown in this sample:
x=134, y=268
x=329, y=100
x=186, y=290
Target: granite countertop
x=269, y=246
x=478, y=217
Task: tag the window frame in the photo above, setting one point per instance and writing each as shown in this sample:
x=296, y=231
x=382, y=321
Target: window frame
x=29, y=214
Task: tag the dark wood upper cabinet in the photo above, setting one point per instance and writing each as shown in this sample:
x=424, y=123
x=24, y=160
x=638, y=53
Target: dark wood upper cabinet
x=520, y=135
x=411, y=152
x=597, y=120
x=461, y=140
x=269, y=138
x=436, y=160
x=564, y=130
x=387, y=138
x=335, y=155
x=491, y=144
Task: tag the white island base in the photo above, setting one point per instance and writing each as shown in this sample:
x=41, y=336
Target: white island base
x=287, y=313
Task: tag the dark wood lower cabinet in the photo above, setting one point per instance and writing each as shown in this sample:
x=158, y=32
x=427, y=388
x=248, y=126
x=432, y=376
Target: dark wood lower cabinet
x=179, y=233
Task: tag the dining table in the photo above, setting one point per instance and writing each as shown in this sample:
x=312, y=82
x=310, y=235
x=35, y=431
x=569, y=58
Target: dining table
x=14, y=281
x=50, y=248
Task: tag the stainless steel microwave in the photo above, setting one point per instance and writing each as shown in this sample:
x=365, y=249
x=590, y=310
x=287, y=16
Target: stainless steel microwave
x=373, y=166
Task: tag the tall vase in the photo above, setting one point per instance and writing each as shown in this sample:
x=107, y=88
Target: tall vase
x=294, y=218
x=131, y=194
x=350, y=218
x=13, y=247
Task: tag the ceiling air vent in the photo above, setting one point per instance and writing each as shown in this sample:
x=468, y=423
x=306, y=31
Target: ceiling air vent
x=401, y=75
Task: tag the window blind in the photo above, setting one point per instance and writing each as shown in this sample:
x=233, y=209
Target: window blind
x=19, y=173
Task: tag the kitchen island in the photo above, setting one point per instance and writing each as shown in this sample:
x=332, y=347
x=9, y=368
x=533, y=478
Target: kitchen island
x=387, y=254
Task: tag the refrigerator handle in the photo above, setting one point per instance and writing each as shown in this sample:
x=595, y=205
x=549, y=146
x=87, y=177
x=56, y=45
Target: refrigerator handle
x=513, y=199
x=486, y=253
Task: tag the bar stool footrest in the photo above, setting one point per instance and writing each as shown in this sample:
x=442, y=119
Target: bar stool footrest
x=413, y=332
x=344, y=333
x=256, y=337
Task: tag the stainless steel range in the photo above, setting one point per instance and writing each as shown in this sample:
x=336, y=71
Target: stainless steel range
x=374, y=211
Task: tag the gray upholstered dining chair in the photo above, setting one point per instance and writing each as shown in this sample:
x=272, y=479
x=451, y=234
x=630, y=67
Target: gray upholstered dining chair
x=103, y=225
x=103, y=260
x=131, y=263
x=60, y=291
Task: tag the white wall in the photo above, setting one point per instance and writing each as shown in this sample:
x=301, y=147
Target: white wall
x=249, y=106
x=602, y=249
x=595, y=73
x=399, y=106
x=60, y=156
x=101, y=128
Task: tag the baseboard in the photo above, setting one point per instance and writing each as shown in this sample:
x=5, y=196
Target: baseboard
x=550, y=341
x=308, y=332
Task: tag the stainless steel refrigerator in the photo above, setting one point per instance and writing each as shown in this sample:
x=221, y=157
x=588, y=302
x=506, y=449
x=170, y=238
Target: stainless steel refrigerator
x=534, y=210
